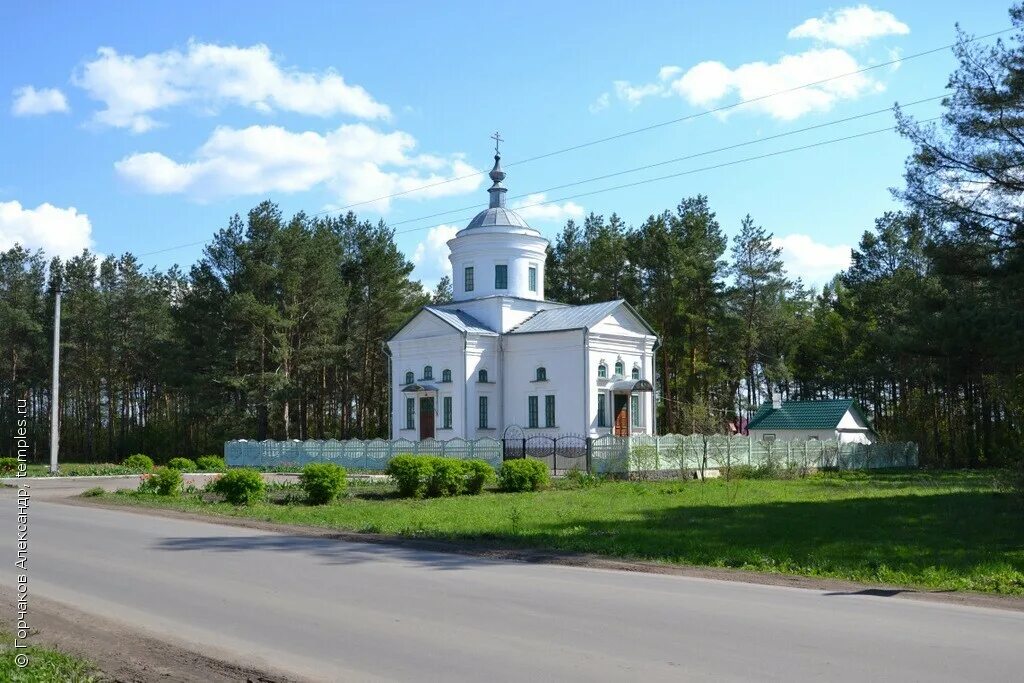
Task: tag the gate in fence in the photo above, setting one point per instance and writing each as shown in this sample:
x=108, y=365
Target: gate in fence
x=561, y=453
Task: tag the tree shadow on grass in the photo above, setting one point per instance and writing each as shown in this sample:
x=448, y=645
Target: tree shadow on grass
x=919, y=538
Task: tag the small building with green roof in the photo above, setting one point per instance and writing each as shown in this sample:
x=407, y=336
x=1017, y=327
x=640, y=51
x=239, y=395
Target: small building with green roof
x=839, y=419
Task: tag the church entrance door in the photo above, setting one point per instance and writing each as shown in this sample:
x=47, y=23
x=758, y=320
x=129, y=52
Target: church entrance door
x=621, y=412
x=427, y=417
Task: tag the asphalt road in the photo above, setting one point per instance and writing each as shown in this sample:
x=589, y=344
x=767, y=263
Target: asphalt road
x=330, y=610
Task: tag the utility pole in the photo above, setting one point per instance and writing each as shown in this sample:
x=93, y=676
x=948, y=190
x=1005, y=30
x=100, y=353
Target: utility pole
x=55, y=391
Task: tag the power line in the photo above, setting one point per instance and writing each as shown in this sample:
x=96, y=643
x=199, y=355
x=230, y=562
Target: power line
x=687, y=157
x=670, y=122
x=735, y=162
x=615, y=174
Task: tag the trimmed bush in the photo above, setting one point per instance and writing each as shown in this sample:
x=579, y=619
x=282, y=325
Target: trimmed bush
x=479, y=473
x=323, y=482
x=138, y=462
x=241, y=486
x=182, y=464
x=447, y=477
x=523, y=474
x=8, y=465
x=211, y=463
x=411, y=474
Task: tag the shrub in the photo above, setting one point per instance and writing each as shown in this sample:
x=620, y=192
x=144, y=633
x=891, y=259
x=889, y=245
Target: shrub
x=479, y=473
x=523, y=474
x=411, y=474
x=240, y=486
x=182, y=464
x=577, y=479
x=8, y=465
x=168, y=481
x=138, y=462
x=93, y=492
x=211, y=463
x=323, y=482
x=447, y=477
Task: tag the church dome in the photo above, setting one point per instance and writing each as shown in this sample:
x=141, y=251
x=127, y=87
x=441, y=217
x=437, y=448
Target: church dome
x=498, y=253
x=496, y=217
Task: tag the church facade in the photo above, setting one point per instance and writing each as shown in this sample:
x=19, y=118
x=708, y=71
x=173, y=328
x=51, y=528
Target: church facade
x=500, y=355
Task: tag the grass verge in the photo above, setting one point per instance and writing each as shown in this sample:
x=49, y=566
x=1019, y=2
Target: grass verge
x=44, y=666
x=944, y=531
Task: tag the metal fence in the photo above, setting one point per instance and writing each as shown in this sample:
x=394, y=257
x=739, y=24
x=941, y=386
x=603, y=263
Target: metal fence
x=606, y=454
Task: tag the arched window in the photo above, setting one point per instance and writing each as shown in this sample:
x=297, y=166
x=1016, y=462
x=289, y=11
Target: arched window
x=620, y=367
x=446, y=375
x=409, y=377
x=482, y=376
x=636, y=372
x=602, y=371
x=542, y=374
x=428, y=372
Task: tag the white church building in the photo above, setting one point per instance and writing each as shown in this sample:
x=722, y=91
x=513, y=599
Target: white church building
x=500, y=355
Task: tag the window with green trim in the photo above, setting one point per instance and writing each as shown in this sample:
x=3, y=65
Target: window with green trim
x=410, y=413
x=620, y=367
x=467, y=279
x=533, y=412
x=501, y=276
x=533, y=278
x=446, y=404
x=542, y=374
x=549, y=411
x=602, y=409
x=636, y=373
x=428, y=372
x=446, y=375
x=482, y=376
x=483, y=412
x=410, y=378
x=634, y=409
x=602, y=371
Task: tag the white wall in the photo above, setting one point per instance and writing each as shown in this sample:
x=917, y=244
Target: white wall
x=561, y=354
x=483, y=248
x=634, y=350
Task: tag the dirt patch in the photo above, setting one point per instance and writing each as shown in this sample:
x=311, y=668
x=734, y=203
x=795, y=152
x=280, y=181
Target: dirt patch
x=121, y=653
x=497, y=551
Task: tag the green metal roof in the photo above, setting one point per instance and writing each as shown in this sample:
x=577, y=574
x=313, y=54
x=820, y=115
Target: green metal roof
x=805, y=414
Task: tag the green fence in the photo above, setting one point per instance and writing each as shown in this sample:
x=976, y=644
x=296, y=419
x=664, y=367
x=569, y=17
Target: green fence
x=699, y=452
x=354, y=453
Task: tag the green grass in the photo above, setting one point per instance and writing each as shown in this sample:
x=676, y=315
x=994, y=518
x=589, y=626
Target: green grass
x=44, y=666
x=949, y=530
x=76, y=469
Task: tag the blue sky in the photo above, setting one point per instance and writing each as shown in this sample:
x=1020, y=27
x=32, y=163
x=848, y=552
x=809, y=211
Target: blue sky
x=141, y=128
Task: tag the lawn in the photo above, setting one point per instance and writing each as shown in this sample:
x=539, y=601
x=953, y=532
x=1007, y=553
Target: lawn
x=44, y=666
x=75, y=469
x=947, y=530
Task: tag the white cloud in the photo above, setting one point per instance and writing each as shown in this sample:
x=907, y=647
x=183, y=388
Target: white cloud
x=600, y=104
x=58, y=232
x=709, y=83
x=354, y=161
x=431, y=255
x=31, y=102
x=528, y=208
x=851, y=26
x=209, y=76
x=815, y=263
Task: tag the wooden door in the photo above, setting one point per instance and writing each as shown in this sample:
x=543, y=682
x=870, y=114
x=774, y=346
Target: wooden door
x=427, y=417
x=621, y=411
